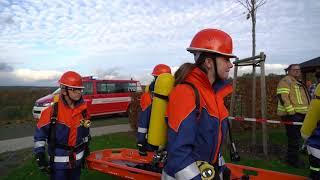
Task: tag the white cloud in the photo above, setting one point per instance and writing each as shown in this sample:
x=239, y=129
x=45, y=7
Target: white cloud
x=28, y=77
x=140, y=33
x=34, y=75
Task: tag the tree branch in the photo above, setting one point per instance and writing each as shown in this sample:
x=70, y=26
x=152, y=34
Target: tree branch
x=261, y=3
x=249, y=4
x=244, y=5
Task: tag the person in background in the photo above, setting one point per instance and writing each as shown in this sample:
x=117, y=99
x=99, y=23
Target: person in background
x=145, y=114
x=293, y=102
x=65, y=127
x=197, y=116
x=308, y=84
x=313, y=86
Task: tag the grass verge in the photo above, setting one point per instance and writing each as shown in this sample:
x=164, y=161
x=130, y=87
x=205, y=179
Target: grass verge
x=28, y=169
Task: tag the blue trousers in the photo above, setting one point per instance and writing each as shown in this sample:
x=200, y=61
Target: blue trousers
x=294, y=137
x=66, y=174
x=315, y=170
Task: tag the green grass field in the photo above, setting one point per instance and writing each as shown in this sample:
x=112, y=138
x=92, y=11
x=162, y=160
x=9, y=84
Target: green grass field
x=277, y=142
x=109, y=120
x=28, y=170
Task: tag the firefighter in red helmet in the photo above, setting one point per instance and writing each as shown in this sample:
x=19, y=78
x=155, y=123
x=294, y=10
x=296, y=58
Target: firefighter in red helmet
x=64, y=126
x=197, y=116
x=145, y=114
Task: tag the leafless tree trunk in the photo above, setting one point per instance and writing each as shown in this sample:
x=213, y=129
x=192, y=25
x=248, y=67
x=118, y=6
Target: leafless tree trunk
x=252, y=7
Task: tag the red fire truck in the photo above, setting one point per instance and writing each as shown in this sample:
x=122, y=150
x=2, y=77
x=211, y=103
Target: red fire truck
x=102, y=96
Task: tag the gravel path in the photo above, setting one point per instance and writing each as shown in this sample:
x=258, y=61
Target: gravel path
x=27, y=142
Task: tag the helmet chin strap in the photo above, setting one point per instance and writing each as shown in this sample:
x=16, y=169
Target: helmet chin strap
x=196, y=56
x=217, y=77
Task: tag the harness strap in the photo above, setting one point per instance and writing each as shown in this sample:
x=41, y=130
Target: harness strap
x=52, y=138
x=160, y=96
x=52, y=131
x=73, y=148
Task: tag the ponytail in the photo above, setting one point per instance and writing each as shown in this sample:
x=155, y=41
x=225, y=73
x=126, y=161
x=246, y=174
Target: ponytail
x=186, y=68
x=182, y=72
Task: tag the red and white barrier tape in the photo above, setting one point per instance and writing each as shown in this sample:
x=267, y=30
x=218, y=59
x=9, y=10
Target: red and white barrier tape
x=260, y=120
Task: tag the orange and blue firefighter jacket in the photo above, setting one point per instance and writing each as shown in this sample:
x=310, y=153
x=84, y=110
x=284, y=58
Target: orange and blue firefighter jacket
x=69, y=133
x=191, y=139
x=144, y=117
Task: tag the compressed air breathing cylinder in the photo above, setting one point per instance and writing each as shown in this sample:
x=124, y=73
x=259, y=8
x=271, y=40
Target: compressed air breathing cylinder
x=157, y=133
x=313, y=116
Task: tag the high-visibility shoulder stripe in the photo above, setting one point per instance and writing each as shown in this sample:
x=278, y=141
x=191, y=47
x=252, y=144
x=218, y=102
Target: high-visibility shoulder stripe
x=188, y=172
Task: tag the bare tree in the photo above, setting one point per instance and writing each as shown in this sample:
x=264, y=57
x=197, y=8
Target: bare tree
x=252, y=7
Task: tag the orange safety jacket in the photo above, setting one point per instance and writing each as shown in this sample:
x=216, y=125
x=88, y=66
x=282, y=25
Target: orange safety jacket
x=69, y=133
x=192, y=139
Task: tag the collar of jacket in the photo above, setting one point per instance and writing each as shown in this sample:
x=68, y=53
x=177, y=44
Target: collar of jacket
x=294, y=80
x=201, y=81
x=211, y=97
x=79, y=105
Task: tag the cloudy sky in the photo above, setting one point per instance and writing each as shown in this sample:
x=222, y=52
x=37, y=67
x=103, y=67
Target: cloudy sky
x=41, y=39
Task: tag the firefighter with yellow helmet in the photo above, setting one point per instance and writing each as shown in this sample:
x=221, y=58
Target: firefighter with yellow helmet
x=146, y=107
x=197, y=116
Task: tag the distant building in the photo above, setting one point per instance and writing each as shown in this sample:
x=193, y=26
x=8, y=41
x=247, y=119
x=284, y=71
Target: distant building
x=308, y=68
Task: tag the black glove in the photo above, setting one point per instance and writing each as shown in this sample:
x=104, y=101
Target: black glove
x=42, y=163
x=142, y=149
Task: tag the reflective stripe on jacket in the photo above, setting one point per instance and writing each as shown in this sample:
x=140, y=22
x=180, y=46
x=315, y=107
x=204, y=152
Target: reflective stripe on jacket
x=68, y=133
x=191, y=139
x=293, y=97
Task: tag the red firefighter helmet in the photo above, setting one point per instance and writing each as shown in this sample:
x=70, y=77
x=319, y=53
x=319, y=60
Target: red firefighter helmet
x=71, y=79
x=212, y=41
x=160, y=68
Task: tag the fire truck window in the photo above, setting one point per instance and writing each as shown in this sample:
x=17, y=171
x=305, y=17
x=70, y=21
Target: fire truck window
x=104, y=88
x=125, y=87
x=132, y=87
x=117, y=87
x=88, y=88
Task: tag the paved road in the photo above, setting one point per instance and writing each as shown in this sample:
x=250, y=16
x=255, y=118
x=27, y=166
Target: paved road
x=27, y=142
x=16, y=130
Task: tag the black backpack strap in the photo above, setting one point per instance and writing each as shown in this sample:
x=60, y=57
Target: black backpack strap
x=160, y=96
x=196, y=93
x=84, y=114
x=52, y=131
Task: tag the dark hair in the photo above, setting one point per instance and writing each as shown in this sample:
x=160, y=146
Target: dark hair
x=186, y=68
x=182, y=72
x=290, y=66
